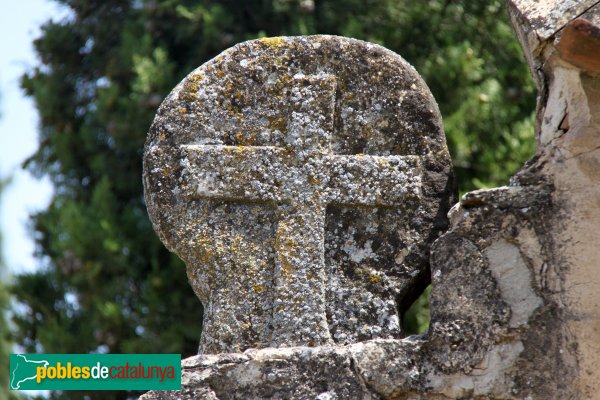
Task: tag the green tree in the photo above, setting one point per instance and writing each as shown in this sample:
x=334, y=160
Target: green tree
x=6, y=340
x=105, y=282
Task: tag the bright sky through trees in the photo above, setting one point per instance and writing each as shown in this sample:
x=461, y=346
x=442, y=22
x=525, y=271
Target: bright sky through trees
x=19, y=24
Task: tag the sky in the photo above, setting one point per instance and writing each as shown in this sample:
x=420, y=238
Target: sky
x=19, y=25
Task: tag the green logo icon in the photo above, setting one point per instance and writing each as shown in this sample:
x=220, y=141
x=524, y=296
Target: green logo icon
x=95, y=371
x=23, y=369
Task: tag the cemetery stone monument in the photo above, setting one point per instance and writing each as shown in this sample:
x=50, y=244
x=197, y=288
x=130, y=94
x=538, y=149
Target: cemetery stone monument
x=304, y=180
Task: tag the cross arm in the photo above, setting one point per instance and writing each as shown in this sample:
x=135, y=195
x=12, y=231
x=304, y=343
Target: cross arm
x=234, y=172
x=374, y=180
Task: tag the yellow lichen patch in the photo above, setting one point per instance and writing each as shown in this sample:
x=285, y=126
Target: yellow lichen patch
x=286, y=267
x=228, y=89
x=375, y=278
x=347, y=96
x=273, y=41
x=187, y=96
x=285, y=247
x=313, y=180
x=190, y=89
x=259, y=288
x=237, y=243
x=276, y=123
x=234, y=100
x=182, y=110
x=284, y=81
x=367, y=131
x=285, y=250
x=246, y=326
x=252, y=137
x=207, y=254
x=244, y=141
x=238, y=95
x=196, y=78
x=240, y=150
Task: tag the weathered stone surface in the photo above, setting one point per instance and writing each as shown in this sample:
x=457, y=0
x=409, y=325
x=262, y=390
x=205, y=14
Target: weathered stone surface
x=579, y=44
x=515, y=303
x=302, y=181
x=496, y=325
x=569, y=131
x=542, y=24
x=544, y=18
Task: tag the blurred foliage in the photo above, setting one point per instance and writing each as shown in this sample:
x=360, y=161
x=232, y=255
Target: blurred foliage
x=106, y=283
x=6, y=339
x=416, y=319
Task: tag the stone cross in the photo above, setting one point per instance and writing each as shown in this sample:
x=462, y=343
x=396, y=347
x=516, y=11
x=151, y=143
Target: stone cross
x=515, y=305
x=301, y=180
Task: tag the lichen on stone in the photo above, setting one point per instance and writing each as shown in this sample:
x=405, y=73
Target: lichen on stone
x=289, y=148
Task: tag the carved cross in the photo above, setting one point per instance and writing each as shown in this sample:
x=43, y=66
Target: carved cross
x=301, y=179
x=301, y=191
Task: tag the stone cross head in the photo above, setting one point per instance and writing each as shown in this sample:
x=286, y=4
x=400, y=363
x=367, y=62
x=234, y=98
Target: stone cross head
x=302, y=181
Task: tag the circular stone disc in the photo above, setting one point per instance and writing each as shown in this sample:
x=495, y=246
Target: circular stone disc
x=233, y=120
